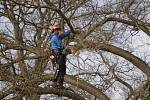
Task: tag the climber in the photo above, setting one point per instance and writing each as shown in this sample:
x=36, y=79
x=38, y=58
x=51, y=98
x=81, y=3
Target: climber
x=58, y=52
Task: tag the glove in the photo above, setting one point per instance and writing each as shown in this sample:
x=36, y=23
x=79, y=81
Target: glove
x=78, y=30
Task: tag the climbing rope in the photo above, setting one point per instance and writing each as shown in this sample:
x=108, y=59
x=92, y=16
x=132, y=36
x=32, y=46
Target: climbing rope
x=78, y=73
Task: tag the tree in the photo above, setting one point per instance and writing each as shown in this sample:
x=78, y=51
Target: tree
x=107, y=30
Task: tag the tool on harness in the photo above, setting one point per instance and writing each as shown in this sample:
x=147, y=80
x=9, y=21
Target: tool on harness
x=56, y=75
x=68, y=50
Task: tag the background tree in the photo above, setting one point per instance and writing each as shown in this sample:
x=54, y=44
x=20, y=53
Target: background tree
x=109, y=55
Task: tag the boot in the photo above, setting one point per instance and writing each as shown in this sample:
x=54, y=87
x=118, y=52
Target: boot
x=60, y=82
x=55, y=79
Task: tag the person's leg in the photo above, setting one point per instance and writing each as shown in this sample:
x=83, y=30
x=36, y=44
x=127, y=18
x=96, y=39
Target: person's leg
x=57, y=72
x=62, y=70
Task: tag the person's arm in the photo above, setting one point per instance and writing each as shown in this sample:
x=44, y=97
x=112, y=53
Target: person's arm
x=64, y=34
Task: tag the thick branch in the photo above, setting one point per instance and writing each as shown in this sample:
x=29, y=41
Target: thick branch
x=134, y=23
x=59, y=92
x=73, y=81
x=86, y=86
x=5, y=93
x=11, y=45
x=139, y=63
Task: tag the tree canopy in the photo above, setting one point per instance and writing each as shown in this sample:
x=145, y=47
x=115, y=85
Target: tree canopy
x=112, y=51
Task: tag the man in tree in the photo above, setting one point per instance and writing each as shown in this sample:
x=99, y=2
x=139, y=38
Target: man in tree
x=58, y=52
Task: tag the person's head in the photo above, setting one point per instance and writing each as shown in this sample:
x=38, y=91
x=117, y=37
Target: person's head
x=55, y=28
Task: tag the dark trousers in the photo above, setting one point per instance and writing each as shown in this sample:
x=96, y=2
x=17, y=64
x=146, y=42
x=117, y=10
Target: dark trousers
x=60, y=61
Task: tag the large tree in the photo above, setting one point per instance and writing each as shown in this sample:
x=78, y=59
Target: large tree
x=107, y=55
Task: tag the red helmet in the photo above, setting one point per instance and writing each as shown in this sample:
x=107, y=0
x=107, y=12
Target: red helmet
x=54, y=26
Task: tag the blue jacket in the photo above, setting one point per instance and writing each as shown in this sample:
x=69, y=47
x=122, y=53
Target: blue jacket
x=56, y=40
